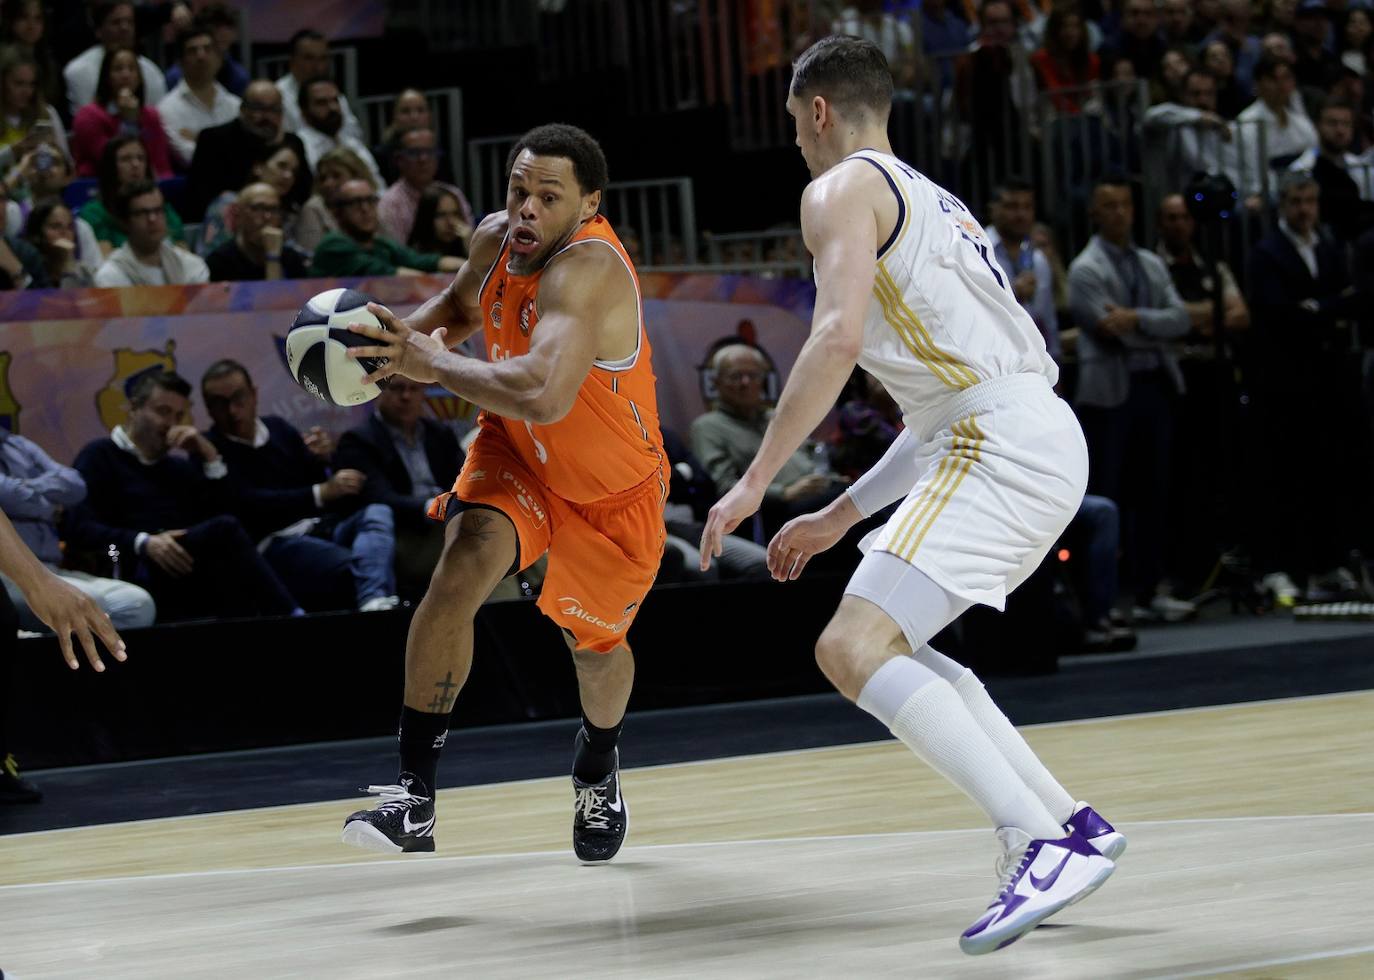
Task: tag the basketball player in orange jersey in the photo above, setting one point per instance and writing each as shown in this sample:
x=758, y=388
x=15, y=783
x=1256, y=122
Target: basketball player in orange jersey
x=568, y=460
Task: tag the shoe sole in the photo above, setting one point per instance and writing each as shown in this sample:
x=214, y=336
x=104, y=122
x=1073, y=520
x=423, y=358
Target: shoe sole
x=359, y=833
x=1111, y=845
x=989, y=944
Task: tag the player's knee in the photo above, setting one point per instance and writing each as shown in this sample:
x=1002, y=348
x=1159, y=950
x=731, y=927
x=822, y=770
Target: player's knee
x=835, y=654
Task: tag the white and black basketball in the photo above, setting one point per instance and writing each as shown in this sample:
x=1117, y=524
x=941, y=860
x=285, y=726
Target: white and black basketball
x=317, y=348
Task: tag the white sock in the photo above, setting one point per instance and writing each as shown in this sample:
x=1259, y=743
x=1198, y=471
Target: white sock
x=1003, y=734
x=922, y=709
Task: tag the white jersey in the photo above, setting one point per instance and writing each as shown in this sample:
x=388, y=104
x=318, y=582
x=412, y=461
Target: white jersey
x=943, y=316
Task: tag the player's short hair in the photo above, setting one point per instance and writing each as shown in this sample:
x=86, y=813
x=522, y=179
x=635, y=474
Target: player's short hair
x=146, y=382
x=225, y=367
x=562, y=140
x=848, y=72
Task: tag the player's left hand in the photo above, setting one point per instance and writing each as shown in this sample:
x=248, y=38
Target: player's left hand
x=70, y=611
x=408, y=352
x=729, y=511
x=799, y=541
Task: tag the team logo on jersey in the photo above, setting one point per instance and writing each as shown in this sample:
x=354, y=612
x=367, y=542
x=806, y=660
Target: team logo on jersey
x=9, y=407
x=572, y=606
x=526, y=312
x=526, y=500
x=112, y=401
x=496, y=315
x=477, y=476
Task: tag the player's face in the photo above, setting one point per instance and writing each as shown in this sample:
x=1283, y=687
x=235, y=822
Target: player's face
x=233, y=404
x=149, y=423
x=545, y=206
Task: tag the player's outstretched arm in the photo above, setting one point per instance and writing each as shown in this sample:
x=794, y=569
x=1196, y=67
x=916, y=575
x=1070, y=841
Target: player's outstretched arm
x=457, y=309
x=840, y=229
x=66, y=609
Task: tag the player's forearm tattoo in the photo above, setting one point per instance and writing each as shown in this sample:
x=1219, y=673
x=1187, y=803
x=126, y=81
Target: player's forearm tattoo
x=443, y=701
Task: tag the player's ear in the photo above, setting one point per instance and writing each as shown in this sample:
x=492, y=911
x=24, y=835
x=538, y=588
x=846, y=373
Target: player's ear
x=591, y=204
x=820, y=111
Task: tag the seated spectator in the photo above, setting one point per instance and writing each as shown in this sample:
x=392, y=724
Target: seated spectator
x=1180, y=24
x=147, y=258
x=356, y=249
x=727, y=438
x=34, y=493
x=1065, y=62
x=225, y=154
x=1141, y=42
x=330, y=552
x=410, y=111
x=125, y=162
x=310, y=60
x=1190, y=274
x=1185, y=139
x=1027, y=268
x=23, y=26
x=21, y=267
x=1357, y=40
x=198, y=101
x=316, y=218
x=119, y=105
x=157, y=492
x=24, y=111
x=322, y=122
x=1095, y=533
x=276, y=165
x=1303, y=302
x=114, y=30
x=1317, y=66
x=439, y=224
x=1129, y=316
x=43, y=173
x=51, y=231
x=1174, y=69
x=224, y=27
x=408, y=460
x=258, y=249
x=1287, y=132
x=1347, y=203
x=417, y=159
x=690, y=496
x=1218, y=62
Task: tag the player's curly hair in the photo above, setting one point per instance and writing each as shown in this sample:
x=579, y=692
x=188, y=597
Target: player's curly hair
x=847, y=71
x=562, y=140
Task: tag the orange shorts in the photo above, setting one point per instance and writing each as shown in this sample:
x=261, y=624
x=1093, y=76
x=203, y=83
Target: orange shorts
x=603, y=556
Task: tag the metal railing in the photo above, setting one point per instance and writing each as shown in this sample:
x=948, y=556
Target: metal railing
x=344, y=69
x=486, y=187
x=446, y=110
x=660, y=215
x=779, y=250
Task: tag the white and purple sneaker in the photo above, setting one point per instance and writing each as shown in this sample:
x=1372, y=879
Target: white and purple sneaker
x=1039, y=877
x=1109, y=841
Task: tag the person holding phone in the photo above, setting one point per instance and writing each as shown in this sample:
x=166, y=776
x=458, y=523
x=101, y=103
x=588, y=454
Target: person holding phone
x=27, y=121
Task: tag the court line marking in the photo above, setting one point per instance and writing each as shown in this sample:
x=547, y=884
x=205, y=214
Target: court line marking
x=1261, y=964
x=915, y=836
x=1238, y=705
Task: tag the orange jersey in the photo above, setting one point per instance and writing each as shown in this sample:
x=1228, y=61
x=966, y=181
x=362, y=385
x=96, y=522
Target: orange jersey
x=609, y=442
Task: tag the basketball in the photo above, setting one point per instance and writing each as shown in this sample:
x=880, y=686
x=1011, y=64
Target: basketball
x=317, y=348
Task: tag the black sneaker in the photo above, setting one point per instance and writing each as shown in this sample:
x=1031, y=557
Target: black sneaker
x=14, y=788
x=402, y=823
x=600, y=817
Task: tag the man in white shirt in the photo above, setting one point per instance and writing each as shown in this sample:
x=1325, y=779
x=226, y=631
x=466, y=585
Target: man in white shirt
x=198, y=101
x=148, y=258
x=1273, y=128
x=310, y=60
x=114, y=28
x=322, y=125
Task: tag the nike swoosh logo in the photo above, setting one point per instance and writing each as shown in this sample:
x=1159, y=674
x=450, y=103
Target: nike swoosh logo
x=615, y=805
x=1047, y=882
x=411, y=828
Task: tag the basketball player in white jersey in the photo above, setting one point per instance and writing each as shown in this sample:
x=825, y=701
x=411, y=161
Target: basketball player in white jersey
x=992, y=465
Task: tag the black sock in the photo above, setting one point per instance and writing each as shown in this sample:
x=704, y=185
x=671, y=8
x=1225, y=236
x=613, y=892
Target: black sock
x=422, y=738
x=595, y=756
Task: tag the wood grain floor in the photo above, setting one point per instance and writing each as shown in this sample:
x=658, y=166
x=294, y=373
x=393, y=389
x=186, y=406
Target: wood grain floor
x=861, y=827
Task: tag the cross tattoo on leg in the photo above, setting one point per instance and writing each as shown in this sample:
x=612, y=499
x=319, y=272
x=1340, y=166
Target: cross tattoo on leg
x=443, y=701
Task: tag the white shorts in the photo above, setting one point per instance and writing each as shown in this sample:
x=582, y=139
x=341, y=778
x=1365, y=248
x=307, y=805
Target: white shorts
x=1001, y=477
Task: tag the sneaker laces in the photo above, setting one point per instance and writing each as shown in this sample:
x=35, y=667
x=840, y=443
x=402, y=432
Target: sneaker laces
x=591, y=805
x=395, y=798
x=1009, y=863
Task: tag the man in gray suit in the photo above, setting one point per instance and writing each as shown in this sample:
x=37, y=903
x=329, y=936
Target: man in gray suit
x=1129, y=314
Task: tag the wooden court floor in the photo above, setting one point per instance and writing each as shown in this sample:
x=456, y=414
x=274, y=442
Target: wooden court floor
x=1251, y=855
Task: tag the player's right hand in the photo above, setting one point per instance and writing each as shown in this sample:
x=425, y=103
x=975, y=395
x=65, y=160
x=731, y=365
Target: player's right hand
x=166, y=552
x=68, y=610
